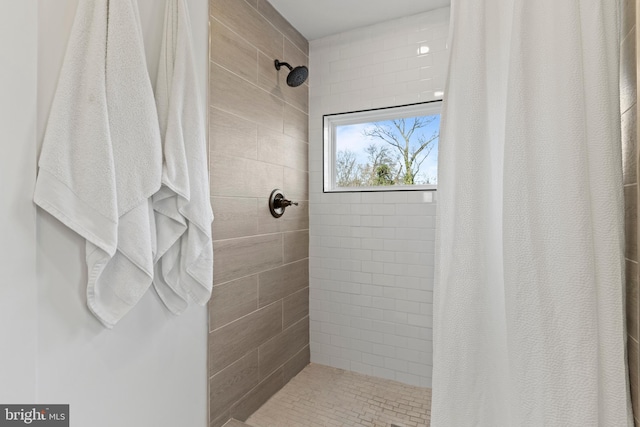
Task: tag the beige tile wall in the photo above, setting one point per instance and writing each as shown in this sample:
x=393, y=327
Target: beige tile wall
x=628, y=108
x=259, y=310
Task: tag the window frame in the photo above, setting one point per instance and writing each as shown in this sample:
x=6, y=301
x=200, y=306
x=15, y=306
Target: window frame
x=331, y=121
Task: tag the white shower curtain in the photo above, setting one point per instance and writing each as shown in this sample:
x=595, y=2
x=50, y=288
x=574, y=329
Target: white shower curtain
x=529, y=299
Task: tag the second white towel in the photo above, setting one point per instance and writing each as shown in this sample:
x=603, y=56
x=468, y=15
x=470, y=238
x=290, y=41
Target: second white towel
x=184, y=262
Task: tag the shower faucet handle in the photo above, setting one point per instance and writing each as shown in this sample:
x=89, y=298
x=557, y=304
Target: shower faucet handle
x=278, y=203
x=283, y=203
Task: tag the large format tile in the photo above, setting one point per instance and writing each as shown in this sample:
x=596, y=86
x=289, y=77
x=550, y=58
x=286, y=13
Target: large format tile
x=234, y=217
x=296, y=154
x=275, y=352
x=297, y=363
x=278, y=21
x=275, y=284
x=244, y=99
x=219, y=419
x=296, y=123
x=237, y=177
x=233, y=341
x=296, y=183
x=231, y=51
x=246, y=20
x=298, y=97
x=236, y=258
x=232, y=135
x=258, y=396
x=295, y=307
x=294, y=55
x=271, y=146
x=283, y=150
x=296, y=245
x=233, y=300
x=294, y=218
x=268, y=76
x=230, y=384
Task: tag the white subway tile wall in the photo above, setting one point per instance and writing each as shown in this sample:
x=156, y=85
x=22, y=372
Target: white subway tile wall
x=372, y=254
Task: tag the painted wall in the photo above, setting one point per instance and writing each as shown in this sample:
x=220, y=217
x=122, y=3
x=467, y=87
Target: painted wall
x=372, y=254
x=629, y=110
x=151, y=368
x=259, y=324
x=18, y=286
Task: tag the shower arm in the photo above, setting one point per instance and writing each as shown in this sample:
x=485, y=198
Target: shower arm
x=278, y=64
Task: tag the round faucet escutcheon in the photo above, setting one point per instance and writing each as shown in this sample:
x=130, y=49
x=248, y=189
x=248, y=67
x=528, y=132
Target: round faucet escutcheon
x=278, y=203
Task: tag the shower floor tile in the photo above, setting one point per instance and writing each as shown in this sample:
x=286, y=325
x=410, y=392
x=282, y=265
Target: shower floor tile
x=322, y=396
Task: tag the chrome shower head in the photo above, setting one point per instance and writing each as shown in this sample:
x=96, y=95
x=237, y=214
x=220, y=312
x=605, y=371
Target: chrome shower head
x=296, y=76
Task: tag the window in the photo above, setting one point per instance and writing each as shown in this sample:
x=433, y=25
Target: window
x=385, y=149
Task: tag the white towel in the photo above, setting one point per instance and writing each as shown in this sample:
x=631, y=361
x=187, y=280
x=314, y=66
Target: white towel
x=101, y=156
x=184, y=263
